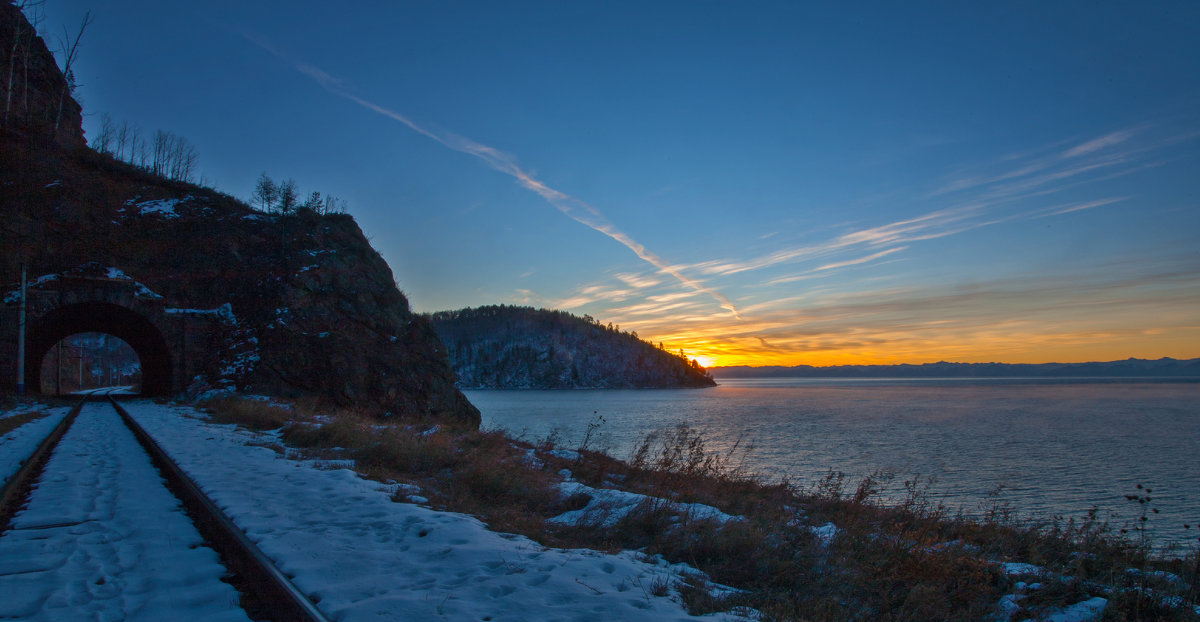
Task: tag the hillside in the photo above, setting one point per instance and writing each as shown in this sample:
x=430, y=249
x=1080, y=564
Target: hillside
x=504, y=347
x=314, y=309
x=1129, y=368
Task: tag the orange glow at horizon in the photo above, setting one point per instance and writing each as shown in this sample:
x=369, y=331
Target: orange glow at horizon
x=1049, y=320
x=1047, y=348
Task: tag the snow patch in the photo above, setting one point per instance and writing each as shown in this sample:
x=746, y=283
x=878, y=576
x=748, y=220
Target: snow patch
x=606, y=506
x=140, y=290
x=164, y=208
x=223, y=313
x=19, y=443
x=825, y=533
x=1019, y=568
x=565, y=454
x=1085, y=611
x=14, y=296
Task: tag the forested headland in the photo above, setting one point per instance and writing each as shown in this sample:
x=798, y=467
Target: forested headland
x=508, y=347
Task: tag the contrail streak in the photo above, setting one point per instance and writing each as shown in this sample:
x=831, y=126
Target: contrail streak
x=576, y=209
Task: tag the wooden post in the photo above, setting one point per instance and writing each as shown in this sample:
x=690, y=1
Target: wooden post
x=21, y=338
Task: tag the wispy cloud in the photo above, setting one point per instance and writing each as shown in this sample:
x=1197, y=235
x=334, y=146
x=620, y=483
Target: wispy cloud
x=637, y=281
x=1056, y=210
x=925, y=227
x=974, y=200
x=1096, y=144
x=859, y=260
x=576, y=209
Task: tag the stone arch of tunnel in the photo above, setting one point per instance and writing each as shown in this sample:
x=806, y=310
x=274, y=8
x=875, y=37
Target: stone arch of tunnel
x=102, y=317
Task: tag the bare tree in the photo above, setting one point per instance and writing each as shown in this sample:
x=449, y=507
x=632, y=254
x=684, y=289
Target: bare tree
x=160, y=148
x=265, y=192
x=122, y=139
x=288, y=196
x=103, y=142
x=143, y=150
x=334, y=205
x=182, y=158
x=137, y=146
x=70, y=49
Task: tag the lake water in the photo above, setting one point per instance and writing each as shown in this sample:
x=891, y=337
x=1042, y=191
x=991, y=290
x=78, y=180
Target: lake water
x=1048, y=446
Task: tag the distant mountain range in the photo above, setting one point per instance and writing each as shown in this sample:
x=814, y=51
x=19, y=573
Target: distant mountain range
x=1128, y=368
x=506, y=347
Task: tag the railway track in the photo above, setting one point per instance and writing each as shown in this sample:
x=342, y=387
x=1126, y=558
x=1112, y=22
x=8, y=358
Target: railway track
x=100, y=488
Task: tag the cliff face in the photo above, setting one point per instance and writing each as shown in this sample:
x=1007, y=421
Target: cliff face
x=31, y=85
x=503, y=347
x=315, y=309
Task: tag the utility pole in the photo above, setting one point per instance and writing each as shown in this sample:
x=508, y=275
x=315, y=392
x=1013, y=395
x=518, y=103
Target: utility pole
x=21, y=338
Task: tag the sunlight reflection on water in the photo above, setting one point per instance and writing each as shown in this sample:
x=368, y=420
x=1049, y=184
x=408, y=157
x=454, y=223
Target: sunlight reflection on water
x=1051, y=446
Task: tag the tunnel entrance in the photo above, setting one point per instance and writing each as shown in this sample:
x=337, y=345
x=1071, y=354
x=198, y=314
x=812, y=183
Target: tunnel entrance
x=88, y=361
x=145, y=340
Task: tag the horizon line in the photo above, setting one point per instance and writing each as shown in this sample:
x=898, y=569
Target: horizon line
x=1124, y=360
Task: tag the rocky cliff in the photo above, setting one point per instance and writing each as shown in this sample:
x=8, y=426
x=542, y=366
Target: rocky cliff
x=35, y=96
x=315, y=309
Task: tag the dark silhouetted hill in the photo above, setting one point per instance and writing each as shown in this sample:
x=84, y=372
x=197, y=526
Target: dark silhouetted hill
x=503, y=347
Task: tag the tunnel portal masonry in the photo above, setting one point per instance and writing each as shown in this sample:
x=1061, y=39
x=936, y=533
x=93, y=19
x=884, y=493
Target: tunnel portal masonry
x=174, y=343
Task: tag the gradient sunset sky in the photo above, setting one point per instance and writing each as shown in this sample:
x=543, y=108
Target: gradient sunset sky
x=753, y=182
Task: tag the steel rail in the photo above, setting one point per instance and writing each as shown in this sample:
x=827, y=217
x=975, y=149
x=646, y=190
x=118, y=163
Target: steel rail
x=16, y=489
x=265, y=590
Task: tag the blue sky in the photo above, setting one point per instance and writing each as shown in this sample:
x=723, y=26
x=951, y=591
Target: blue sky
x=752, y=182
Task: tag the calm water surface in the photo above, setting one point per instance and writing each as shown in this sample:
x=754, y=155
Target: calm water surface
x=1049, y=446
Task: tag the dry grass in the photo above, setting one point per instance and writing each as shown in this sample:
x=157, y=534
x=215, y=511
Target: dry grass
x=477, y=472
x=255, y=414
x=905, y=560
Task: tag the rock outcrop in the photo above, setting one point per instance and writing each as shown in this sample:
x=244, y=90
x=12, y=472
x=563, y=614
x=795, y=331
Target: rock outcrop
x=315, y=309
x=35, y=96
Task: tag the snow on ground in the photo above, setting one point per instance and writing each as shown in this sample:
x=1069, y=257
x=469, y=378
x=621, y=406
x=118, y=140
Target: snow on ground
x=25, y=407
x=223, y=313
x=103, y=539
x=122, y=390
x=1020, y=568
x=19, y=443
x=366, y=557
x=141, y=290
x=160, y=207
x=1086, y=611
x=606, y=506
x=825, y=533
x=15, y=295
